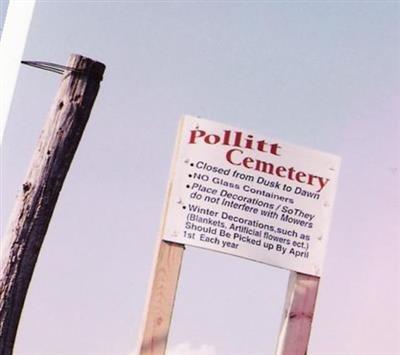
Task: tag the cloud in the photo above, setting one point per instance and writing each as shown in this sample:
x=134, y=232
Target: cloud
x=187, y=349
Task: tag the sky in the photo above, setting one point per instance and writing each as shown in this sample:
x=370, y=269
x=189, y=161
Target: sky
x=325, y=75
x=3, y=13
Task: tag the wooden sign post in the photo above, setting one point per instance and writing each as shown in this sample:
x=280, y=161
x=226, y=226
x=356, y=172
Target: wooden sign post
x=242, y=194
x=39, y=193
x=161, y=298
x=298, y=314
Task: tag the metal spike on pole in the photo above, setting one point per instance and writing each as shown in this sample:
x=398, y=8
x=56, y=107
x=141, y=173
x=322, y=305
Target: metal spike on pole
x=36, y=201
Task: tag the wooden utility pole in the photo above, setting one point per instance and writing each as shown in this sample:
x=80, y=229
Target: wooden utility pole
x=298, y=314
x=36, y=201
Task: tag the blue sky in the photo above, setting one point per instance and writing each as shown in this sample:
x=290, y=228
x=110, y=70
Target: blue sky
x=3, y=13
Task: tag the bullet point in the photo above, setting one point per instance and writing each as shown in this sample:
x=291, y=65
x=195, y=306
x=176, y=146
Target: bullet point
x=187, y=186
x=191, y=164
x=184, y=207
x=190, y=175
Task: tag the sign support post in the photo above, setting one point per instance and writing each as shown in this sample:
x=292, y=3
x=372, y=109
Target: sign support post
x=298, y=314
x=161, y=298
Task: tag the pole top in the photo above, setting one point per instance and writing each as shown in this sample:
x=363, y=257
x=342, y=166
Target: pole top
x=77, y=64
x=87, y=66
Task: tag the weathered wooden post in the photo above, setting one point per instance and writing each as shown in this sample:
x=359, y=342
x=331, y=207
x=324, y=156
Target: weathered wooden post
x=39, y=193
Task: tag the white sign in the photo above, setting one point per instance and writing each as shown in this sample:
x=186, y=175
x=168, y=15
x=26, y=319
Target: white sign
x=250, y=195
